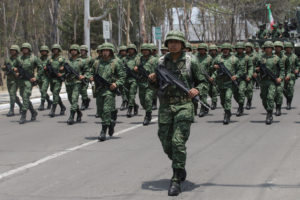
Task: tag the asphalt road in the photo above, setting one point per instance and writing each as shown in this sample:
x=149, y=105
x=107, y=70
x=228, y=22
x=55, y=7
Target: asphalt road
x=246, y=160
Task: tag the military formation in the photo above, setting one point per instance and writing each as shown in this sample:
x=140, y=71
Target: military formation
x=182, y=78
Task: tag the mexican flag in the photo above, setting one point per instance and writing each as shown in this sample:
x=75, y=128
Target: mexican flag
x=270, y=16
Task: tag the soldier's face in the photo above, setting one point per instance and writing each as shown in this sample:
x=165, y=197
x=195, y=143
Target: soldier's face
x=74, y=52
x=174, y=46
x=83, y=52
x=268, y=50
x=123, y=53
x=55, y=51
x=213, y=52
x=25, y=51
x=164, y=52
x=288, y=50
x=226, y=52
x=146, y=52
x=105, y=53
x=131, y=52
x=278, y=49
x=44, y=53
x=154, y=52
x=13, y=52
x=202, y=51
x=240, y=50
x=248, y=49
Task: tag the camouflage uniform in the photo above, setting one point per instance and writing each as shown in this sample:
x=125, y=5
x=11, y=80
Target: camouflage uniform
x=268, y=87
x=12, y=82
x=124, y=89
x=262, y=33
x=156, y=57
x=275, y=33
x=95, y=92
x=111, y=70
x=43, y=79
x=294, y=67
x=213, y=89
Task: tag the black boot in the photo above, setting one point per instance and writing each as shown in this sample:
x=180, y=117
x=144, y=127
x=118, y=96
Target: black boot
x=42, y=106
x=136, y=109
x=97, y=115
x=71, y=118
x=154, y=104
x=269, y=118
x=87, y=103
x=19, y=104
x=213, y=105
x=33, y=112
x=111, y=128
x=52, y=112
x=62, y=108
x=289, y=104
x=23, y=117
x=123, y=105
x=49, y=102
x=79, y=115
x=83, y=105
x=202, y=112
x=102, y=136
x=174, y=189
x=129, y=112
x=278, y=110
x=196, y=108
x=249, y=104
x=147, y=119
x=227, y=117
x=240, y=110
x=11, y=111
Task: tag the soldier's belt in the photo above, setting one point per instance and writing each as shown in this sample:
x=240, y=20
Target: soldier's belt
x=175, y=100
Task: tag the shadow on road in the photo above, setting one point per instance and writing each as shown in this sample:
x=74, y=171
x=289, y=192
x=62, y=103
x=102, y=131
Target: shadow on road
x=221, y=121
x=263, y=185
x=261, y=122
x=163, y=185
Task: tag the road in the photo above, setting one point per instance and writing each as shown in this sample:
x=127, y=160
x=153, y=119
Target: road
x=246, y=160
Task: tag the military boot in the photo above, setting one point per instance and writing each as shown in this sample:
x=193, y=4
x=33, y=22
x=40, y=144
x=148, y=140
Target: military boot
x=154, y=104
x=269, y=118
x=49, y=102
x=111, y=128
x=289, y=104
x=19, y=104
x=62, y=107
x=240, y=110
x=11, y=111
x=33, y=112
x=196, y=109
x=52, y=112
x=23, y=117
x=278, y=110
x=136, y=109
x=147, y=119
x=249, y=104
x=123, y=105
x=79, y=115
x=129, y=112
x=202, y=112
x=227, y=117
x=102, y=136
x=42, y=105
x=71, y=118
x=83, y=105
x=87, y=103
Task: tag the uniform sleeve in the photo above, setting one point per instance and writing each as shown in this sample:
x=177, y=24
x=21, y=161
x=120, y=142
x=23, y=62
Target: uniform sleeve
x=85, y=70
x=119, y=71
x=281, y=68
x=196, y=75
x=38, y=66
x=240, y=69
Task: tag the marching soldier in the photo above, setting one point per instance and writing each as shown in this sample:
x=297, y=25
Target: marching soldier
x=164, y=50
x=213, y=90
x=122, y=55
x=95, y=91
x=12, y=82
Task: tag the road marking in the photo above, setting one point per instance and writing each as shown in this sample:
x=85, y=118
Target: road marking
x=61, y=153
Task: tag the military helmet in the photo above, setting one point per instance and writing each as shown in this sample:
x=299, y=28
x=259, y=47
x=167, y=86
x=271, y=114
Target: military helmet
x=268, y=44
x=188, y=45
x=226, y=46
x=249, y=44
x=15, y=47
x=240, y=45
x=44, y=48
x=153, y=46
x=278, y=44
x=175, y=35
x=146, y=46
x=203, y=46
x=84, y=47
x=194, y=48
x=122, y=48
x=256, y=45
x=163, y=47
x=288, y=45
x=131, y=46
x=26, y=45
x=107, y=46
x=56, y=46
x=99, y=47
x=74, y=47
x=213, y=47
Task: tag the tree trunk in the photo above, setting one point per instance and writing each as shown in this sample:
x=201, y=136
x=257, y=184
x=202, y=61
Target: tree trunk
x=143, y=34
x=54, y=35
x=128, y=24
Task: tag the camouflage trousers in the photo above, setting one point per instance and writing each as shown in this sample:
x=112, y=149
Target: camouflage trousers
x=83, y=91
x=267, y=94
x=289, y=86
x=106, y=105
x=174, y=123
x=249, y=90
x=213, y=93
x=12, y=87
x=43, y=83
x=146, y=97
x=132, y=90
x=279, y=94
x=73, y=95
x=239, y=92
x=124, y=92
x=25, y=92
x=225, y=97
x=55, y=87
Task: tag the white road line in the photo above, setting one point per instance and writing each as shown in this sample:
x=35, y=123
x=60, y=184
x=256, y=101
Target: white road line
x=61, y=153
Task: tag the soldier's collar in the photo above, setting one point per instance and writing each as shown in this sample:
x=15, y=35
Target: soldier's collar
x=181, y=58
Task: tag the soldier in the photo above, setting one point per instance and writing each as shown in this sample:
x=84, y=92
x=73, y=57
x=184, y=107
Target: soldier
x=154, y=50
x=223, y=81
x=56, y=80
x=254, y=79
x=111, y=69
x=246, y=65
x=131, y=82
x=281, y=29
x=194, y=50
x=275, y=33
x=287, y=74
x=84, y=87
x=148, y=62
x=12, y=82
x=29, y=63
x=262, y=33
x=73, y=83
x=155, y=55
x=164, y=50
x=122, y=55
x=268, y=87
x=213, y=90
x=188, y=47
x=43, y=79
x=95, y=92
x=175, y=113
x=204, y=61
